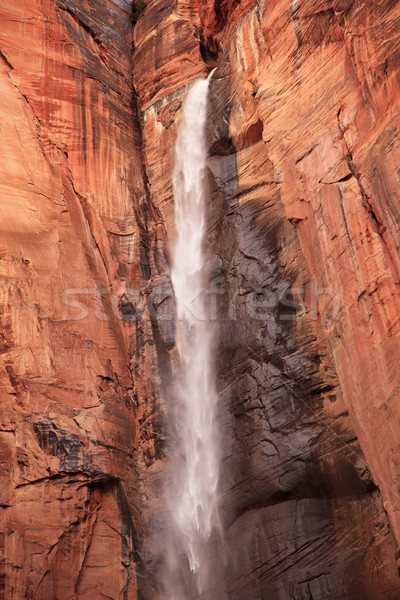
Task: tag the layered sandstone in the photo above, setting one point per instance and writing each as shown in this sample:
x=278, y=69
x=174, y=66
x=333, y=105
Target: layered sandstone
x=303, y=244
x=75, y=231
x=286, y=99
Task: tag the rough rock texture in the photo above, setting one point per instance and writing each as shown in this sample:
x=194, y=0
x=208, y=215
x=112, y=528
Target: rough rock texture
x=298, y=347
x=304, y=259
x=76, y=228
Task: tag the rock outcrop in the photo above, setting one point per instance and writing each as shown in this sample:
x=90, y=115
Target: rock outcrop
x=304, y=257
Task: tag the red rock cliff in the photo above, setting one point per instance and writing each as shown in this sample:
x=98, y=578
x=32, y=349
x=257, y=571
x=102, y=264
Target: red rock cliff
x=303, y=210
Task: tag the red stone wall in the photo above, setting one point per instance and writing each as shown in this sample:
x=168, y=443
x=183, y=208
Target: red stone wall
x=304, y=186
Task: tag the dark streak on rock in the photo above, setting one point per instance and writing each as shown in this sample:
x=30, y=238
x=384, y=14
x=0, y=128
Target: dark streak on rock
x=95, y=36
x=297, y=30
x=5, y=59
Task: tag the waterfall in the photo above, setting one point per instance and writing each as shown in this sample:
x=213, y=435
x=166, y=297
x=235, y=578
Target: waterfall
x=195, y=465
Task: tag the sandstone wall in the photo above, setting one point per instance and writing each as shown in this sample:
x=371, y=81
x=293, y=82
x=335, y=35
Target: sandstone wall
x=302, y=136
x=76, y=228
x=303, y=185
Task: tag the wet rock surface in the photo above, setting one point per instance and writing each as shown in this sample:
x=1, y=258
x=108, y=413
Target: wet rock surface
x=303, y=245
x=298, y=501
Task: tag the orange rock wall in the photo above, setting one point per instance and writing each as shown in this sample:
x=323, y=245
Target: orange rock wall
x=303, y=126
x=303, y=179
x=75, y=229
x=329, y=126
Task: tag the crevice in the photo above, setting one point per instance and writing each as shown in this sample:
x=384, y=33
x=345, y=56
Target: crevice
x=89, y=534
x=120, y=234
x=88, y=478
x=47, y=571
x=349, y=48
x=342, y=132
x=86, y=212
x=324, y=389
x=307, y=153
x=345, y=177
x=94, y=36
x=297, y=30
x=147, y=208
x=379, y=227
x=341, y=180
x=143, y=577
x=138, y=8
x=209, y=54
x=5, y=59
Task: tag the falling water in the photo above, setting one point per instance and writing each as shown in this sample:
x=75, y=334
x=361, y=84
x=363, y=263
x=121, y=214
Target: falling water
x=194, y=478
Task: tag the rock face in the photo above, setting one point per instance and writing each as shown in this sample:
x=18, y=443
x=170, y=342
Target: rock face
x=304, y=266
x=77, y=238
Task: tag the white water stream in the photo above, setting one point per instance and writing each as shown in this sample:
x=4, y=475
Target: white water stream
x=195, y=468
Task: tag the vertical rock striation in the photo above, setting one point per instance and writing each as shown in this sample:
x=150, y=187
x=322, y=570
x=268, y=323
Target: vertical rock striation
x=304, y=254
x=78, y=240
x=302, y=420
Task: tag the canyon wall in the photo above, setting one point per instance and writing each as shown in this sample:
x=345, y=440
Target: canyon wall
x=303, y=177
x=77, y=238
